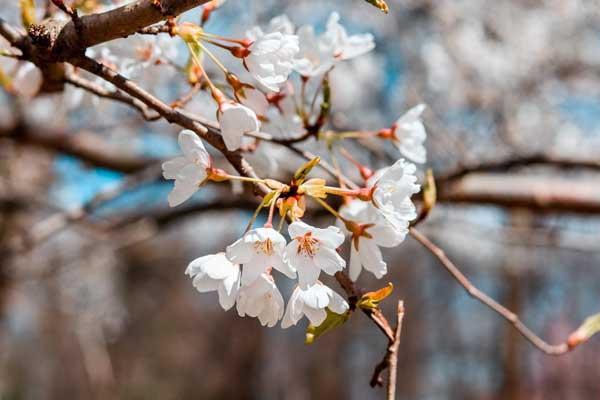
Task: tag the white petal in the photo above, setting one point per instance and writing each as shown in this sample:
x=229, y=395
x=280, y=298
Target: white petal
x=329, y=261
x=299, y=228
x=235, y=120
x=252, y=270
x=283, y=266
x=186, y=184
x=173, y=167
x=315, y=316
x=193, y=148
x=240, y=251
x=227, y=298
x=293, y=312
x=316, y=296
x=337, y=304
x=371, y=258
x=355, y=263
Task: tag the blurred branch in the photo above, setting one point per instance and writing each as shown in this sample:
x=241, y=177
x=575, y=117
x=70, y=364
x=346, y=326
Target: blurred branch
x=474, y=292
x=521, y=161
x=10, y=33
x=536, y=193
x=89, y=149
x=44, y=229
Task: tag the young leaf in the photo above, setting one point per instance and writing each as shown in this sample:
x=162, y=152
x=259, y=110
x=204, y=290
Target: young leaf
x=381, y=4
x=589, y=328
x=304, y=170
x=332, y=321
x=371, y=300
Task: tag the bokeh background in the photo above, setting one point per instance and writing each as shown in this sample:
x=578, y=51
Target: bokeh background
x=93, y=299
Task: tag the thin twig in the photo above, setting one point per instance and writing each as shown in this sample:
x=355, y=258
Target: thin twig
x=474, y=292
x=117, y=95
x=390, y=360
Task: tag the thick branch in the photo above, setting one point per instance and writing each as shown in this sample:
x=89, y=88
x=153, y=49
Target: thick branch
x=120, y=22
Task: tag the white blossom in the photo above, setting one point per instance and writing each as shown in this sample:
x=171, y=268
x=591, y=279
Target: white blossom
x=259, y=250
x=378, y=232
x=315, y=56
x=236, y=120
x=271, y=58
x=318, y=54
x=344, y=46
x=409, y=135
x=189, y=170
x=216, y=273
x=394, y=186
x=255, y=100
x=312, y=302
x=312, y=250
x=261, y=299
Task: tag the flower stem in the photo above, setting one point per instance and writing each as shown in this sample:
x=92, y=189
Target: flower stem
x=269, y=223
x=330, y=209
x=213, y=58
x=251, y=222
x=245, y=179
x=198, y=63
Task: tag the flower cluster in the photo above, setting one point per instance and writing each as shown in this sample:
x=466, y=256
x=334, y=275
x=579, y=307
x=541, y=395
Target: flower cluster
x=373, y=215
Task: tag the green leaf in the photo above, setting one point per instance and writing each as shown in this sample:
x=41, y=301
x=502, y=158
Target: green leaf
x=371, y=300
x=304, y=170
x=332, y=321
x=589, y=328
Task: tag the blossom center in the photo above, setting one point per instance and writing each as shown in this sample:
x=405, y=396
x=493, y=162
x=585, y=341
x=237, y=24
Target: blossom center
x=266, y=246
x=307, y=245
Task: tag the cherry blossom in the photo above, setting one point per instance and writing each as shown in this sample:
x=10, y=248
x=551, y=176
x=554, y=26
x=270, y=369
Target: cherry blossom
x=236, y=120
x=344, y=46
x=216, y=273
x=312, y=303
x=408, y=133
x=271, y=58
x=189, y=170
x=393, y=187
x=371, y=232
x=261, y=299
x=312, y=250
x=259, y=250
x=318, y=54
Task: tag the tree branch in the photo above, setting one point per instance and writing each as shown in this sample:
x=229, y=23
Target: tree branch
x=210, y=134
x=390, y=360
x=117, y=95
x=117, y=23
x=539, y=343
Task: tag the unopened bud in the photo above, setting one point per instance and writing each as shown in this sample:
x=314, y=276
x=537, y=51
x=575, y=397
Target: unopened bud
x=240, y=52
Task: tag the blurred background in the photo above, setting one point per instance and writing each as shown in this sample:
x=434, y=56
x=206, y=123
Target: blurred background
x=93, y=299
